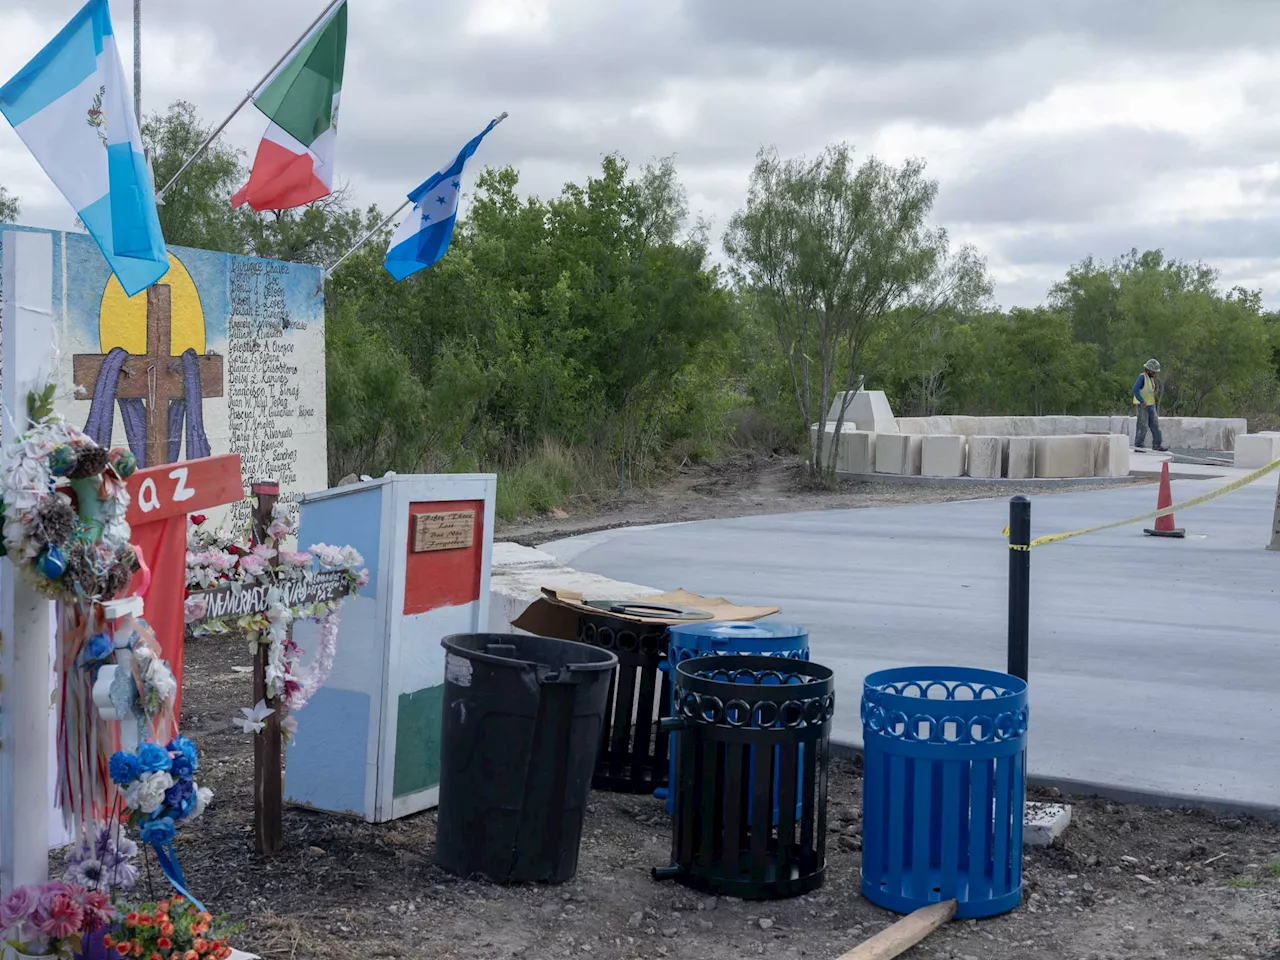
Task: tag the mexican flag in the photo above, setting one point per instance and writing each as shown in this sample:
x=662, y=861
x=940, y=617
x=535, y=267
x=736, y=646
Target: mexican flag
x=294, y=164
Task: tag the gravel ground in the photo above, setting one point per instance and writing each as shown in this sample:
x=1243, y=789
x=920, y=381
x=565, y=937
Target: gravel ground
x=1126, y=881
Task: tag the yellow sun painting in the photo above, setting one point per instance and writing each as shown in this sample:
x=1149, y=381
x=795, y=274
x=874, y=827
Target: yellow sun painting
x=122, y=321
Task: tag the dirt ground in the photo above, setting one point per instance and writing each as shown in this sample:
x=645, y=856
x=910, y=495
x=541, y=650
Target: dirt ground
x=747, y=485
x=1126, y=881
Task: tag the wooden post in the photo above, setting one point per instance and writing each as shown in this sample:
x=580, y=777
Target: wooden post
x=905, y=934
x=268, y=750
x=25, y=616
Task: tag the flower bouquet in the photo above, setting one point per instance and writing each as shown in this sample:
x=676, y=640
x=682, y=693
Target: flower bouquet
x=51, y=920
x=171, y=929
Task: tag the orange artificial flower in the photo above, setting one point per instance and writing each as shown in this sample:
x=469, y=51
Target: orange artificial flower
x=191, y=955
x=200, y=945
x=137, y=949
x=167, y=929
x=206, y=917
x=108, y=942
x=144, y=919
x=162, y=905
x=164, y=943
x=131, y=920
x=124, y=948
x=155, y=956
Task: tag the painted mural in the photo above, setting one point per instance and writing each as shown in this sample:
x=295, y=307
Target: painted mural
x=224, y=355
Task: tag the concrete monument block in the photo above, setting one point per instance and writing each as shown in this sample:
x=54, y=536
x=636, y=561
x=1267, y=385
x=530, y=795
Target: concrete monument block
x=898, y=454
x=986, y=456
x=1255, y=450
x=1021, y=458
x=867, y=410
x=857, y=452
x=1061, y=457
x=1111, y=456
x=942, y=456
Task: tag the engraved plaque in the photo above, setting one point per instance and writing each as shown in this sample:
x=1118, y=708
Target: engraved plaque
x=453, y=530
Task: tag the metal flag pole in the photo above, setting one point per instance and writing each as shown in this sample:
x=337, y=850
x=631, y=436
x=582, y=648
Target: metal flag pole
x=137, y=61
x=382, y=226
x=248, y=96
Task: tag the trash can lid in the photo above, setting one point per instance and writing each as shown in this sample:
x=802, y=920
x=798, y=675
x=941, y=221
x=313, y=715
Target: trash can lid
x=754, y=630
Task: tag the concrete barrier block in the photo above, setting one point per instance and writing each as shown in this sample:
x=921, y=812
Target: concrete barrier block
x=1020, y=462
x=942, y=456
x=986, y=456
x=1232, y=428
x=1097, y=424
x=898, y=454
x=1111, y=456
x=1043, y=823
x=1255, y=450
x=867, y=410
x=857, y=452
x=1062, y=457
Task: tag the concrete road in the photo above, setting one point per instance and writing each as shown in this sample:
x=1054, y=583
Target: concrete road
x=1155, y=664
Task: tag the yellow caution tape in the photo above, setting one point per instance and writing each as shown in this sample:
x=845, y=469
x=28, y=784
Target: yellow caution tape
x=1222, y=491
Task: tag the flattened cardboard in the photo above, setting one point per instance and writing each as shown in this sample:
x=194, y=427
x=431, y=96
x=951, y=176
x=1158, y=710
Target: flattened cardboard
x=556, y=614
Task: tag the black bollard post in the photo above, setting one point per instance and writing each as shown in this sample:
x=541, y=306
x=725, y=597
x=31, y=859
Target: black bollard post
x=1019, y=585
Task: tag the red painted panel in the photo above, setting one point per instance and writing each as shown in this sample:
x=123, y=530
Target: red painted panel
x=164, y=548
x=177, y=489
x=443, y=578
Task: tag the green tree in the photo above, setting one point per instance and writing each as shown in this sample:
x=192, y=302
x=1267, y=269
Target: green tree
x=9, y=206
x=834, y=251
x=196, y=212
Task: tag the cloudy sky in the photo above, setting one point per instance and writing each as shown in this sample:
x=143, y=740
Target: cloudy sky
x=1056, y=129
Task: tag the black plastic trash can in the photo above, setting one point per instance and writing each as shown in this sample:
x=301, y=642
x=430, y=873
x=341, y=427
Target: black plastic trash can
x=752, y=736
x=521, y=731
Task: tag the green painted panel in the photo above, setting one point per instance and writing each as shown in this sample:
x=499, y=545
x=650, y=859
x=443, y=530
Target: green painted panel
x=418, y=741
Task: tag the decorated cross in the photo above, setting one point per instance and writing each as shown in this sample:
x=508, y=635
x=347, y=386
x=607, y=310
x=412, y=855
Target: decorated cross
x=156, y=377
x=260, y=590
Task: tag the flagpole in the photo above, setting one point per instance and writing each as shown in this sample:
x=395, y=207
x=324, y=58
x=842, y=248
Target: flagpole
x=248, y=96
x=137, y=61
x=382, y=226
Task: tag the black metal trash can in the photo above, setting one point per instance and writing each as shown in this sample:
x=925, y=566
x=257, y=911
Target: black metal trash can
x=633, y=757
x=522, y=719
x=726, y=709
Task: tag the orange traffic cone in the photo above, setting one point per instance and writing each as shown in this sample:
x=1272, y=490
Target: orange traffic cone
x=1164, y=525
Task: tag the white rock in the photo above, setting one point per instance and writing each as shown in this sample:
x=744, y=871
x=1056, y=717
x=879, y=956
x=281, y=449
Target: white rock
x=1042, y=823
x=1255, y=450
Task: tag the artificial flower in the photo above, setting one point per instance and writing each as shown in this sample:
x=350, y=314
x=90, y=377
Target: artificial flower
x=62, y=918
x=204, y=797
x=195, y=609
x=147, y=793
x=17, y=906
x=124, y=768
x=254, y=717
x=158, y=831
x=152, y=757
x=198, y=518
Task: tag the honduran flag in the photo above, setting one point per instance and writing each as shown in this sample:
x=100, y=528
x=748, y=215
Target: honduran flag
x=424, y=234
x=72, y=109
x=294, y=164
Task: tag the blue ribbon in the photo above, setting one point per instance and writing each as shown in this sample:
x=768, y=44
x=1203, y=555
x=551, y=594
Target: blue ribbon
x=168, y=861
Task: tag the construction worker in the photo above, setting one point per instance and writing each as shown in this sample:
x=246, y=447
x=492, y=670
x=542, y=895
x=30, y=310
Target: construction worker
x=1144, y=399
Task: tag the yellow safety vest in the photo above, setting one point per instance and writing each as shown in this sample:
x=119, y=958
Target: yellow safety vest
x=1148, y=391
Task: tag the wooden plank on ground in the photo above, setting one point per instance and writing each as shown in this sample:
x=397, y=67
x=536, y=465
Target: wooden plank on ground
x=905, y=934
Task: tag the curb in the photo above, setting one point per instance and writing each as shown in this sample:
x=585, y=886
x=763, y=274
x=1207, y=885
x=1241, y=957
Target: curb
x=1121, y=794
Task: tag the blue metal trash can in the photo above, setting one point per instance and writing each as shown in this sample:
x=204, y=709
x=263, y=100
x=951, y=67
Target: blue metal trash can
x=943, y=789
x=762, y=638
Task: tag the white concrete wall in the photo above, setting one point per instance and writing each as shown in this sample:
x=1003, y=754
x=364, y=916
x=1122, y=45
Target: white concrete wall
x=1192, y=433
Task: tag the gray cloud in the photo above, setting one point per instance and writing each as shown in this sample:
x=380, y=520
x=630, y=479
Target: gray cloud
x=714, y=80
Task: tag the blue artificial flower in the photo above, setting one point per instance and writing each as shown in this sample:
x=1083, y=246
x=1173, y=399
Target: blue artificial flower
x=188, y=749
x=160, y=830
x=181, y=767
x=182, y=798
x=99, y=648
x=153, y=758
x=124, y=768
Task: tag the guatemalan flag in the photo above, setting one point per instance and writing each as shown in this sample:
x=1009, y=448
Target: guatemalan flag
x=424, y=234
x=72, y=109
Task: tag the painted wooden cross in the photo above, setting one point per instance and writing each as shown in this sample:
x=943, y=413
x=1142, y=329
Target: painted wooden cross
x=156, y=377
